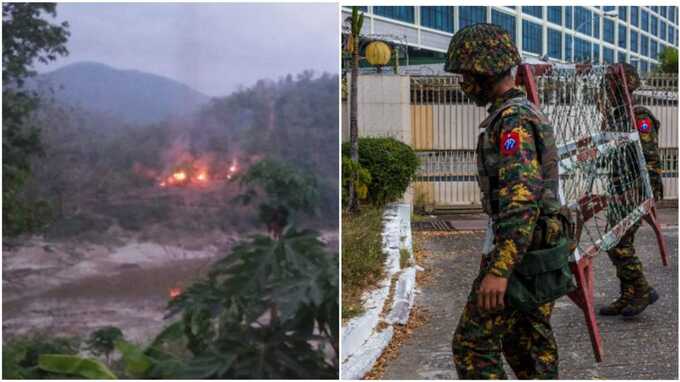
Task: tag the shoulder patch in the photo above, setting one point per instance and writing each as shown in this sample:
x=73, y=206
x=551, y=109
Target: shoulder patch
x=510, y=143
x=644, y=125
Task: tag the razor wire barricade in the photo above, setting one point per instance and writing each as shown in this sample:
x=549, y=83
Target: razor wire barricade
x=603, y=175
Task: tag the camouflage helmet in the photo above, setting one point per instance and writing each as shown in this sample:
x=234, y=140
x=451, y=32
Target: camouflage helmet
x=632, y=77
x=482, y=49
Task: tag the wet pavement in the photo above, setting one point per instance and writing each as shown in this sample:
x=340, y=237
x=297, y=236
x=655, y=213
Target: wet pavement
x=645, y=347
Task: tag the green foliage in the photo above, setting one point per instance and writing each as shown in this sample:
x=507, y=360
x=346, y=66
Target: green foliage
x=362, y=256
x=353, y=172
x=20, y=356
x=74, y=366
x=357, y=22
x=392, y=165
x=101, y=341
x=281, y=190
x=26, y=38
x=668, y=58
x=257, y=311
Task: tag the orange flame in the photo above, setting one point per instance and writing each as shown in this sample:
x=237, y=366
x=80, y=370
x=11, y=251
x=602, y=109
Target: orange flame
x=180, y=176
x=175, y=292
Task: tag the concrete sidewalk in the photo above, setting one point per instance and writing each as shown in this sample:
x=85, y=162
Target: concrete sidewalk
x=645, y=347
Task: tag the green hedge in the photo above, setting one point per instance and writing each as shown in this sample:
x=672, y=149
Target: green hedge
x=391, y=164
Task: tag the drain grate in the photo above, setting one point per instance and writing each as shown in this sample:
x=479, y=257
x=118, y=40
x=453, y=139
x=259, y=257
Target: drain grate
x=433, y=225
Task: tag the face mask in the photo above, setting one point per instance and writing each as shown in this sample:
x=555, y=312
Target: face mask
x=473, y=89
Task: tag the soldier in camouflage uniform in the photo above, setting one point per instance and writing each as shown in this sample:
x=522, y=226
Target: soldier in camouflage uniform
x=517, y=163
x=636, y=294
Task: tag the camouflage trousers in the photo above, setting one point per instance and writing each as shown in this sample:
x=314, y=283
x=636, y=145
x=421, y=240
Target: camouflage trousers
x=526, y=340
x=628, y=266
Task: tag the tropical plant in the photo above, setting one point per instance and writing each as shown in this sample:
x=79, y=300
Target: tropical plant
x=668, y=58
x=281, y=191
x=102, y=341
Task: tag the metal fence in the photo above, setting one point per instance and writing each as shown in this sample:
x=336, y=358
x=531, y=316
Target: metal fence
x=444, y=131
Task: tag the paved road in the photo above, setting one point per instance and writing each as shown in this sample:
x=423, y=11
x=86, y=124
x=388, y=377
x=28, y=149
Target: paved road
x=645, y=347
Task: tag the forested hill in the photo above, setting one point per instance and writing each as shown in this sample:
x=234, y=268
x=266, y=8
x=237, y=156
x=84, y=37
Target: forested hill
x=97, y=168
x=129, y=95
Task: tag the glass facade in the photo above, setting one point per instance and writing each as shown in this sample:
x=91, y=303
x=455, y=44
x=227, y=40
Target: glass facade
x=534, y=11
x=567, y=47
x=504, y=20
x=583, y=21
x=622, y=57
x=643, y=66
x=397, y=13
x=568, y=12
x=608, y=31
x=644, y=20
x=471, y=15
x=555, y=15
x=610, y=37
x=582, y=49
x=440, y=18
x=554, y=44
x=634, y=41
x=608, y=55
x=644, y=45
x=532, y=37
x=622, y=36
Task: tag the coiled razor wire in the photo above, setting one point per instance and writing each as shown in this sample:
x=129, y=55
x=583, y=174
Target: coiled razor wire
x=603, y=176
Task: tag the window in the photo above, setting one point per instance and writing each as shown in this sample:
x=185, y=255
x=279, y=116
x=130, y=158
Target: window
x=662, y=11
x=583, y=21
x=567, y=47
x=440, y=18
x=567, y=17
x=653, y=27
x=534, y=11
x=472, y=15
x=554, y=44
x=608, y=55
x=653, y=50
x=623, y=13
x=608, y=8
x=555, y=15
x=652, y=67
x=644, y=45
x=671, y=13
x=643, y=66
x=596, y=26
x=622, y=36
x=608, y=31
x=662, y=30
x=671, y=34
x=532, y=38
x=596, y=53
x=635, y=64
x=504, y=20
x=634, y=13
x=633, y=41
x=655, y=9
x=622, y=57
x=644, y=20
x=582, y=49
x=397, y=13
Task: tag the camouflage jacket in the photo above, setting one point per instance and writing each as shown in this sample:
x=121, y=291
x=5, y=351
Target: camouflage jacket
x=517, y=164
x=648, y=127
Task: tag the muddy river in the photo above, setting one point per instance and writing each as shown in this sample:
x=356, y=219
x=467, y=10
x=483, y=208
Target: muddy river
x=69, y=289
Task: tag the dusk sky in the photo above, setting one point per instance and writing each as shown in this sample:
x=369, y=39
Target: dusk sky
x=213, y=48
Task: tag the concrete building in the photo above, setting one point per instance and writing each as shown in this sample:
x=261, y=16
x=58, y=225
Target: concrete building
x=600, y=34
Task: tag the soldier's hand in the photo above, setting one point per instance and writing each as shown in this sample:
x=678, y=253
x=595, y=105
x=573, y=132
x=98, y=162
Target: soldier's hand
x=491, y=292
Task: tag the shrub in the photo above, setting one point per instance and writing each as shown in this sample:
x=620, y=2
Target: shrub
x=20, y=356
x=353, y=171
x=391, y=164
